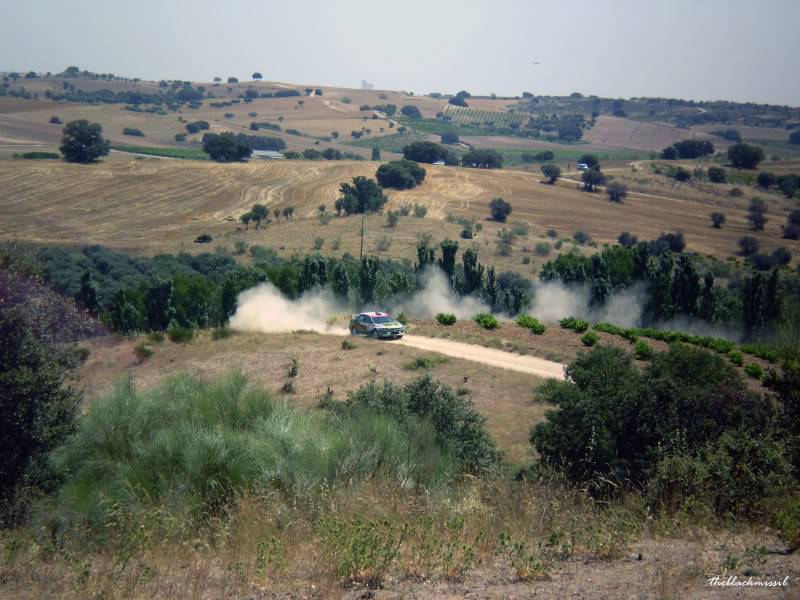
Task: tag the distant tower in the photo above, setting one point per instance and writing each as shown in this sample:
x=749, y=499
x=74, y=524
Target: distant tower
x=366, y=85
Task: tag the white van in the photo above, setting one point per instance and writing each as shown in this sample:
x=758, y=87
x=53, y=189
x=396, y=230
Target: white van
x=582, y=167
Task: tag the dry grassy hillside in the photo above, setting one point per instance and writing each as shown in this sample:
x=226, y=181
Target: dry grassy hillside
x=151, y=205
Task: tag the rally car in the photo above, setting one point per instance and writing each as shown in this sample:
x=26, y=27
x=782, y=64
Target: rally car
x=377, y=325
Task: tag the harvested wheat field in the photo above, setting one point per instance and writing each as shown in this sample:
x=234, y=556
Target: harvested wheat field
x=153, y=205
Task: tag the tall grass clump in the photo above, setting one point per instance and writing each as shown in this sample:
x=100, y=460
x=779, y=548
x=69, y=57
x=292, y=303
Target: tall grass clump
x=189, y=446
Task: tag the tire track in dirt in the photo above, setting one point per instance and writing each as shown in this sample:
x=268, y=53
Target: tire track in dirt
x=487, y=356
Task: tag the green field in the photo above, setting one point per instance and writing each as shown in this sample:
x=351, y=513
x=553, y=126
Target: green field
x=184, y=153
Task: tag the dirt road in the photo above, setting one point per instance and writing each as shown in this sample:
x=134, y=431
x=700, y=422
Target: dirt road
x=487, y=356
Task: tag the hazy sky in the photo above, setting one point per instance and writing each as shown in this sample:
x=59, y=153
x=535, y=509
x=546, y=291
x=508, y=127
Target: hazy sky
x=693, y=49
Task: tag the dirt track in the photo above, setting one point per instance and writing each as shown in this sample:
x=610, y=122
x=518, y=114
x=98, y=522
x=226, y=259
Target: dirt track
x=487, y=356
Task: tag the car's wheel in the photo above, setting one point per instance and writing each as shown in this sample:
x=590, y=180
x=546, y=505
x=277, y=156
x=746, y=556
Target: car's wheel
x=375, y=334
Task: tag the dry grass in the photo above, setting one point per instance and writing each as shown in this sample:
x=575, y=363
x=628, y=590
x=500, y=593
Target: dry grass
x=150, y=205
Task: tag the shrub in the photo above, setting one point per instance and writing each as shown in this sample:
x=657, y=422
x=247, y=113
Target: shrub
x=717, y=220
x=590, y=338
x=204, y=238
x=424, y=404
x=486, y=321
x=348, y=344
x=466, y=233
x=636, y=428
x=617, y=191
x=392, y=217
x=187, y=447
x=627, y=240
x=542, y=249
x=38, y=409
x=221, y=333
x=156, y=336
x=531, y=323
x=180, y=137
x=239, y=247
x=143, y=351
x=424, y=362
x=682, y=175
x=736, y=358
x=319, y=243
x=736, y=192
x=581, y=237
x=39, y=155
x=642, y=350
x=133, y=131
x=552, y=233
x=420, y=211
x=576, y=325
x=446, y=318
x=717, y=175
x=748, y=245
x=180, y=335
x=500, y=209
x=754, y=370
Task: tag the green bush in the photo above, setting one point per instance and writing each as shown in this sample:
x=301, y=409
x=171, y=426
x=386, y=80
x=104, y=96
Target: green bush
x=143, y=351
x=736, y=358
x=186, y=447
x=40, y=155
x=133, y=131
x=786, y=520
x=754, y=370
x=425, y=362
x=762, y=351
x=456, y=423
x=156, y=336
x=609, y=328
x=731, y=474
x=446, y=318
x=38, y=410
x=531, y=323
x=221, y=333
x=486, y=321
x=181, y=335
x=402, y=318
x=642, y=350
x=576, y=325
x=590, y=338
x=616, y=422
x=348, y=344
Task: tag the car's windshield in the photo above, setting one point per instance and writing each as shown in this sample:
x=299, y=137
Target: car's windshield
x=381, y=320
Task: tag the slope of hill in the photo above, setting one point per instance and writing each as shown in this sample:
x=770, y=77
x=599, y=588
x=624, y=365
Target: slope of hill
x=150, y=205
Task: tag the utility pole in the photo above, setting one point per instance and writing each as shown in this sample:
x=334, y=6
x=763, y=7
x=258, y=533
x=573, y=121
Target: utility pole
x=361, y=253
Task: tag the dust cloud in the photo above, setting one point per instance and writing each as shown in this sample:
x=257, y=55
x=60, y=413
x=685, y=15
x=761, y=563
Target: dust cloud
x=553, y=301
x=264, y=309
x=436, y=297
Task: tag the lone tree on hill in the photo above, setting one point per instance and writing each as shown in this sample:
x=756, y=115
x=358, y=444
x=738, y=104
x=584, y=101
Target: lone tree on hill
x=757, y=214
x=552, y=172
x=500, y=209
x=257, y=76
x=717, y=220
x=83, y=142
x=591, y=179
x=617, y=191
x=745, y=156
